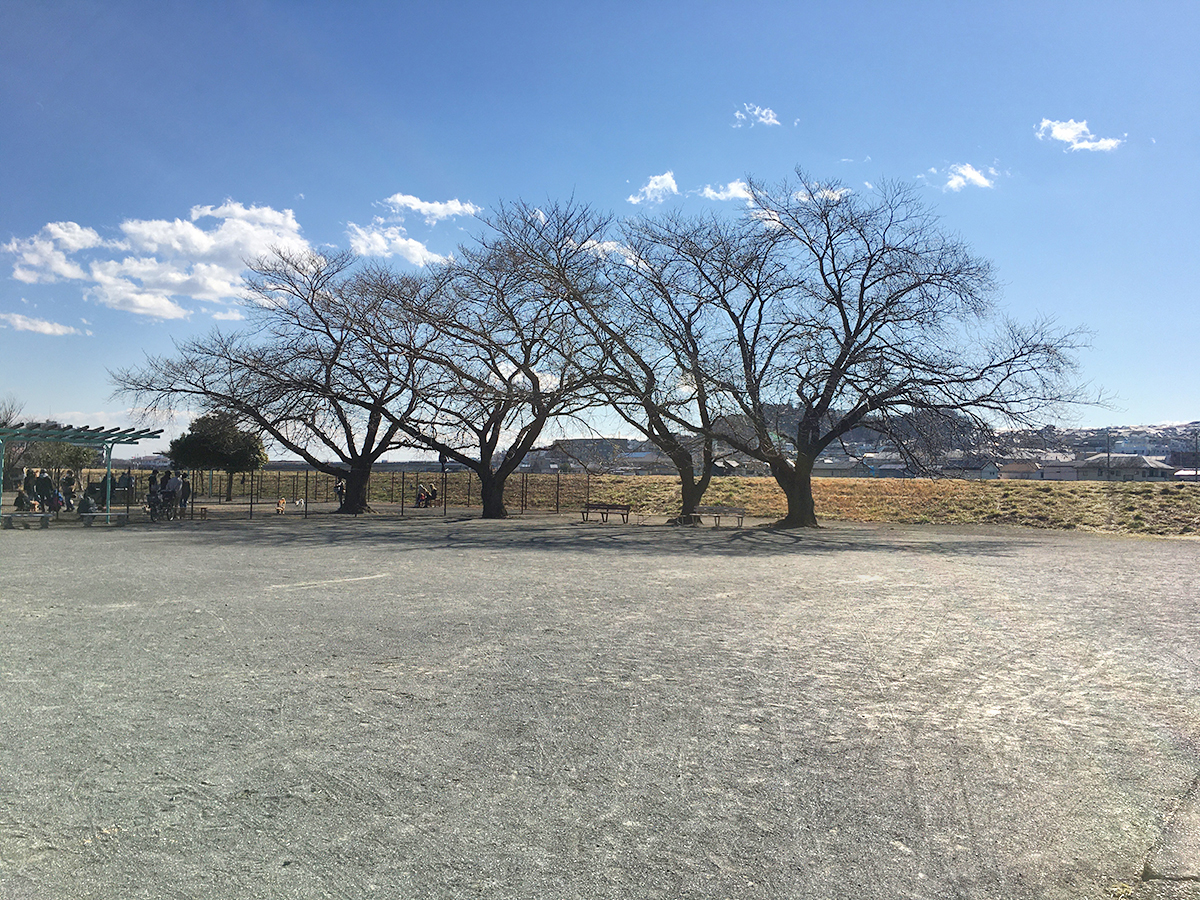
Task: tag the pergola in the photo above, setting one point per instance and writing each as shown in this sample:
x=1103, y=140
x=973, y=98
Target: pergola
x=105, y=438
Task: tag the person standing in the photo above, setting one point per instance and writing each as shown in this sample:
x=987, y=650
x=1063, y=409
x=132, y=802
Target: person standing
x=44, y=488
x=67, y=486
x=185, y=494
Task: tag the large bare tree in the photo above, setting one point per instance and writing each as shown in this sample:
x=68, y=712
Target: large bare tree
x=301, y=373
x=825, y=308
x=498, y=346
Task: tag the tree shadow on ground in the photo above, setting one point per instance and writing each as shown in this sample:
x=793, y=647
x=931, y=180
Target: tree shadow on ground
x=556, y=535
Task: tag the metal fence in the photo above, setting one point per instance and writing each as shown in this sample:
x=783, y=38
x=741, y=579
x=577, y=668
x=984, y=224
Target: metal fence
x=397, y=490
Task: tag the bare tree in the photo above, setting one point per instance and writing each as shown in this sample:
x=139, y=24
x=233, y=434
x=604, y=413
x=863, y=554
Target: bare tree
x=499, y=347
x=639, y=339
x=302, y=374
x=14, y=451
x=848, y=308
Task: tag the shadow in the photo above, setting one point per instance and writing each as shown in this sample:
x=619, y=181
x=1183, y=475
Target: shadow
x=556, y=534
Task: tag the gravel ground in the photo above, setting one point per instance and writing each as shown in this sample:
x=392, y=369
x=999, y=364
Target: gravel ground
x=545, y=709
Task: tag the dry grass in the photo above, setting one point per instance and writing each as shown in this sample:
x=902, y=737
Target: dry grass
x=1090, y=505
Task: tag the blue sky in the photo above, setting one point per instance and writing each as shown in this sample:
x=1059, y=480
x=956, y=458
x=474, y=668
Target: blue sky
x=147, y=148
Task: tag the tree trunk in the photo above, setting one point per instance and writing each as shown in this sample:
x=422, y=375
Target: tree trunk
x=491, y=490
x=355, y=499
x=796, y=483
x=691, y=488
x=692, y=493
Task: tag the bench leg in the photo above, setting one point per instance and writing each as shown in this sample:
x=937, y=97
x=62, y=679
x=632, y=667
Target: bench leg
x=604, y=517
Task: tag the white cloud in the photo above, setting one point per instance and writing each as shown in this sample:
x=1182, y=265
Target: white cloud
x=381, y=239
x=229, y=315
x=159, y=264
x=43, y=257
x=1075, y=135
x=656, y=189
x=433, y=211
x=735, y=190
x=18, y=322
x=820, y=192
x=755, y=114
x=962, y=174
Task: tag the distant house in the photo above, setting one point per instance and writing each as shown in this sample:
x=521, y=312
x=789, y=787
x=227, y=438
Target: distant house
x=1060, y=470
x=971, y=469
x=1122, y=467
x=886, y=465
x=1022, y=470
x=844, y=467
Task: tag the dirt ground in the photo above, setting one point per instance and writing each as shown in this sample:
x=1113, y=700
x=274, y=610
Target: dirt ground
x=545, y=709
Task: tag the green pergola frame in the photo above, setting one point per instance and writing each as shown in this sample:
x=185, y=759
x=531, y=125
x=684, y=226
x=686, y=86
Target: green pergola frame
x=83, y=437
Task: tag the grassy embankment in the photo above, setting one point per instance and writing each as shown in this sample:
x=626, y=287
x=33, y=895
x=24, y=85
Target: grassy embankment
x=1172, y=508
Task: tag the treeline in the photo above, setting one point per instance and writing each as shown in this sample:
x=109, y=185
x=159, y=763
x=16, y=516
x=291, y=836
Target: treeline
x=843, y=307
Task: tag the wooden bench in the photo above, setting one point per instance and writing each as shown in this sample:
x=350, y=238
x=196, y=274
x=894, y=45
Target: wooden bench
x=717, y=511
x=44, y=519
x=605, y=508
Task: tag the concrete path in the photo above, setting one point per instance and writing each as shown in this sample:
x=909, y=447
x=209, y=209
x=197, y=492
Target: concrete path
x=545, y=709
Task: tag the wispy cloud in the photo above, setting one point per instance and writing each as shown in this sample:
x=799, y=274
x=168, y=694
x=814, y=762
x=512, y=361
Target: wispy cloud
x=158, y=265
x=656, y=189
x=18, y=322
x=962, y=174
x=1075, y=135
x=433, y=211
x=817, y=191
x=753, y=114
x=735, y=190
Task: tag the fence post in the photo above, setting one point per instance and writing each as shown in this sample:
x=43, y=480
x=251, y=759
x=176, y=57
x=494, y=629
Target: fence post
x=402, y=474
x=306, y=493
x=252, y=495
x=392, y=489
x=557, y=483
x=444, y=493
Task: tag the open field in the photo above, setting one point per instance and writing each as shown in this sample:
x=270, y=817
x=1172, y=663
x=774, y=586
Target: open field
x=1172, y=508
x=539, y=709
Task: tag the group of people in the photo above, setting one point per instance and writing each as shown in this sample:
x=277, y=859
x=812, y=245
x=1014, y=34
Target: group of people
x=37, y=492
x=171, y=491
